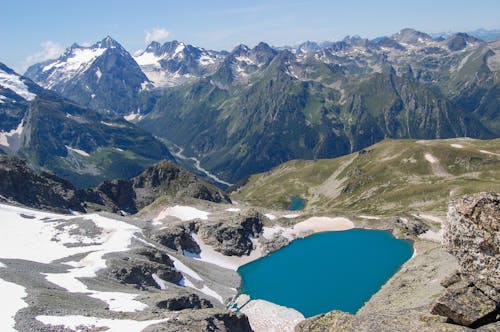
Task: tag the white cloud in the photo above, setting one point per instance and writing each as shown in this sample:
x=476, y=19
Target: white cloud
x=157, y=34
x=50, y=50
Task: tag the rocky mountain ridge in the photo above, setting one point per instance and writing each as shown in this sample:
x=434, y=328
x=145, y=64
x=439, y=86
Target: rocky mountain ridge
x=42, y=190
x=313, y=101
x=74, y=142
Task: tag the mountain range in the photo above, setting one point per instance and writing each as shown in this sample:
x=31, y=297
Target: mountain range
x=75, y=142
x=250, y=109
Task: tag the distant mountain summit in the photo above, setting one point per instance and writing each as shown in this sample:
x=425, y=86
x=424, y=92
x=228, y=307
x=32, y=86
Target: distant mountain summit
x=103, y=76
x=75, y=142
x=174, y=62
x=247, y=110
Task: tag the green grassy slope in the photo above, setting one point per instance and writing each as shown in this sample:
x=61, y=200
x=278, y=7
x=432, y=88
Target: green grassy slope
x=391, y=177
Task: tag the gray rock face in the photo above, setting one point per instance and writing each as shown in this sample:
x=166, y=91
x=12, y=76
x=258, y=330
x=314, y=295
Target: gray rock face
x=472, y=234
x=163, y=178
x=20, y=183
x=204, y=320
x=191, y=301
x=138, y=267
x=232, y=238
x=178, y=238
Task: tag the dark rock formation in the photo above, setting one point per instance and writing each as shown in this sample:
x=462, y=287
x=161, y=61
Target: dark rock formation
x=411, y=226
x=191, y=301
x=232, y=238
x=138, y=267
x=204, y=320
x=42, y=190
x=472, y=234
x=177, y=237
x=163, y=178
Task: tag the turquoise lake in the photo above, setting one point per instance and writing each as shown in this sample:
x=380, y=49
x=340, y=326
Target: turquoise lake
x=326, y=271
x=296, y=203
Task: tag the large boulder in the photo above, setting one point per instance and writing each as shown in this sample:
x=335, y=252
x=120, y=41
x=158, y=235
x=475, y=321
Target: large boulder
x=232, y=237
x=472, y=234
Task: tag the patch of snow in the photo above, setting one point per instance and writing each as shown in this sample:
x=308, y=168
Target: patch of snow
x=132, y=116
x=433, y=236
x=84, y=323
x=80, y=152
x=490, y=153
x=430, y=158
x=2, y=265
x=109, y=124
x=160, y=282
x=144, y=85
x=233, y=210
x=98, y=73
x=38, y=239
x=181, y=267
x=178, y=50
x=184, y=213
x=118, y=149
x=206, y=60
x=209, y=255
x=291, y=216
x=210, y=292
x=270, y=216
x=369, y=217
x=116, y=236
x=14, y=83
x=148, y=59
x=12, y=139
x=429, y=217
x=65, y=68
x=457, y=146
x=270, y=232
x=245, y=59
x=12, y=297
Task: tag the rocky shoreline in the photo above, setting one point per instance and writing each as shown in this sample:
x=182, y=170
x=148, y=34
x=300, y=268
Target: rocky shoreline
x=182, y=260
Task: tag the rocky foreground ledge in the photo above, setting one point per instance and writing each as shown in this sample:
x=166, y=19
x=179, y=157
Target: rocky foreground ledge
x=426, y=295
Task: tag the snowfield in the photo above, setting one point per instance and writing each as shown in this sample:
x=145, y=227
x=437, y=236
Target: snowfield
x=184, y=213
x=12, y=294
x=45, y=237
x=14, y=83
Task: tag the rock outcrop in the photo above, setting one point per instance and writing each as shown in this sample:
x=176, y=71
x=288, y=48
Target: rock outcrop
x=177, y=237
x=181, y=302
x=232, y=237
x=163, y=178
x=41, y=190
x=472, y=234
x=140, y=267
x=204, y=320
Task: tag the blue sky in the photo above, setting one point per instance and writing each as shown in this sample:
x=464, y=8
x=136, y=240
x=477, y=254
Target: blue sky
x=34, y=30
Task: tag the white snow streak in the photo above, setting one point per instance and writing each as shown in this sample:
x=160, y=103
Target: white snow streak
x=80, y=152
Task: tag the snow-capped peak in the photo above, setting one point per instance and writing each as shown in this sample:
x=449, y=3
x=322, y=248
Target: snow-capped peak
x=12, y=81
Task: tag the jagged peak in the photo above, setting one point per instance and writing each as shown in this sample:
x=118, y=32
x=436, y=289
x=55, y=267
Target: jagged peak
x=108, y=42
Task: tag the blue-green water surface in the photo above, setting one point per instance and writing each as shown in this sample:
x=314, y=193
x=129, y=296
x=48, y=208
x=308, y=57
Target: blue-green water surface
x=326, y=271
x=296, y=203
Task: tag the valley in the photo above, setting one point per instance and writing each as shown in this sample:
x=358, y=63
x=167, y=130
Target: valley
x=147, y=190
